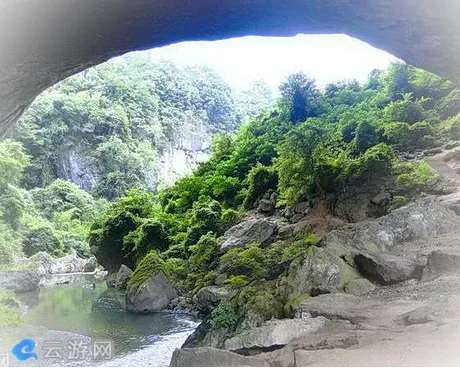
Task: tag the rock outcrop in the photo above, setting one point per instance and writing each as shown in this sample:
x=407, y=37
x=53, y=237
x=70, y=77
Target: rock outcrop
x=318, y=271
x=275, y=333
x=122, y=277
x=153, y=295
x=338, y=306
x=207, y=298
x=19, y=281
x=180, y=155
x=210, y=357
x=258, y=231
x=386, y=269
x=418, y=220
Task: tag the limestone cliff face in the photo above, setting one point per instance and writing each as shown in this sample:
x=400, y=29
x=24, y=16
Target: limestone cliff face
x=76, y=165
x=183, y=153
x=177, y=157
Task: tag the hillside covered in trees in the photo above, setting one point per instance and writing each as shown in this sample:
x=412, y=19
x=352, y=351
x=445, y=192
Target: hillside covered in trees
x=349, y=152
x=313, y=146
x=97, y=134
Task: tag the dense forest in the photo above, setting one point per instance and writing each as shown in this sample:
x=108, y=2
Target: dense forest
x=338, y=148
x=97, y=134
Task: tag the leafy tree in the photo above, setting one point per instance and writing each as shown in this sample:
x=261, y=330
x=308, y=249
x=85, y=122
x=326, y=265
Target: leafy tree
x=301, y=96
x=405, y=110
x=261, y=179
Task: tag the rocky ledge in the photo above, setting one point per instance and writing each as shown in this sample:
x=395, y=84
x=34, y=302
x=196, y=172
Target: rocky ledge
x=28, y=274
x=363, y=285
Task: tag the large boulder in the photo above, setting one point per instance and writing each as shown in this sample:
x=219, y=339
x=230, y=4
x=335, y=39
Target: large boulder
x=210, y=357
x=386, y=269
x=275, y=333
x=19, y=281
x=122, y=277
x=318, y=271
x=338, y=306
x=420, y=220
x=153, y=295
x=209, y=297
x=254, y=230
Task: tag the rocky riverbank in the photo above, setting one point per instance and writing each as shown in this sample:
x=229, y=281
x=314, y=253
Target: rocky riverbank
x=373, y=293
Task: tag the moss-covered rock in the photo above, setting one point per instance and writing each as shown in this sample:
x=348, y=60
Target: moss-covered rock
x=150, y=288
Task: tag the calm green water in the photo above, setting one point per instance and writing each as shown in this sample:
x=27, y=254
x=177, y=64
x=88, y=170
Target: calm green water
x=88, y=308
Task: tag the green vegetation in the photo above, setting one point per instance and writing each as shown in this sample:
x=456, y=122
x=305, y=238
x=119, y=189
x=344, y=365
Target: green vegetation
x=148, y=266
x=110, y=121
x=224, y=316
x=9, y=318
x=54, y=219
x=315, y=146
x=10, y=310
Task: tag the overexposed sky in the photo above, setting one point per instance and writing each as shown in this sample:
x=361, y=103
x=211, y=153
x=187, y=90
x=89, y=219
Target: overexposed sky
x=240, y=61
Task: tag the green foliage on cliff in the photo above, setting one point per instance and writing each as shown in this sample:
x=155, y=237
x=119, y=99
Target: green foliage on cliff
x=102, y=128
x=313, y=145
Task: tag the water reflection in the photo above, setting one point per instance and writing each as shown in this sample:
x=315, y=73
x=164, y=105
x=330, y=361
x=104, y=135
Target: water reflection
x=88, y=308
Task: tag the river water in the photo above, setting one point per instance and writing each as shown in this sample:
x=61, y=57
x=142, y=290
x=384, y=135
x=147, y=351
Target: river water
x=88, y=308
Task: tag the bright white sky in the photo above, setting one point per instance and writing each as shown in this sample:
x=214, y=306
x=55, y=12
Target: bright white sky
x=240, y=61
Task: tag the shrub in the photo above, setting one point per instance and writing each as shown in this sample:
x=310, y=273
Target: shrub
x=367, y=135
x=10, y=244
x=397, y=135
x=376, y=162
x=150, y=235
x=205, y=217
x=450, y=127
x=12, y=204
x=300, y=246
x=203, y=252
x=261, y=302
x=405, y=110
x=281, y=253
x=107, y=232
x=106, y=240
x=416, y=178
x=229, y=218
x=224, y=316
x=9, y=318
x=200, y=261
x=261, y=178
x=236, y=281
x=247, y=261
x=41, y=239
x=62, y=196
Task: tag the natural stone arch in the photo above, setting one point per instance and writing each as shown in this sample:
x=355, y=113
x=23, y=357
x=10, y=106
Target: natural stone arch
x=44, y=41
